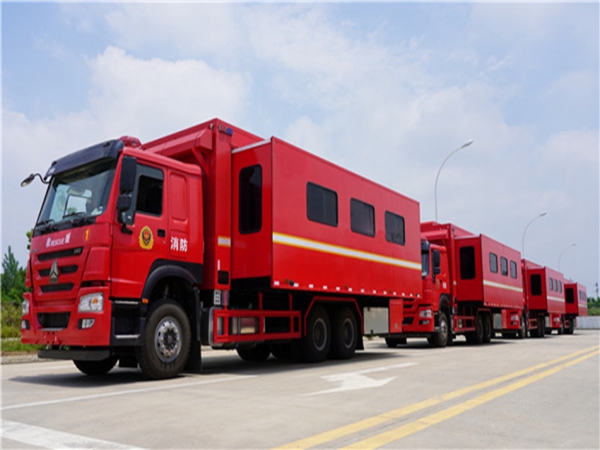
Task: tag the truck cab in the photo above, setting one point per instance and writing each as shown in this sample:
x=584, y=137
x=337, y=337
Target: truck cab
x=115, y=224
x=429, y=315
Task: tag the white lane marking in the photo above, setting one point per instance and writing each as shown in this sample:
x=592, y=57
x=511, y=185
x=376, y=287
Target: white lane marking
x=351, y=381
x=127, y=392
x=46, y=438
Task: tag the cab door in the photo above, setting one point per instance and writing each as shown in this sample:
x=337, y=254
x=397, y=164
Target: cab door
x=142, y=239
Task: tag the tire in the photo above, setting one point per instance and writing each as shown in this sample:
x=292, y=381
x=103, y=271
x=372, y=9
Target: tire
x=522, y=334
x=95, y=368
x=258, y=353
x=395, y=342
x=440, y=338
x=166, y=340
x=479, y=333
x=344, y=334
x=317, y=342
x=487, y=329
x=541, y=326
x=569, y=329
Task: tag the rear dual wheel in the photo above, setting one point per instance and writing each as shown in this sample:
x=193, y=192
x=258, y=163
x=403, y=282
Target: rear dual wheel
x=317, y=342
x=325, y=337
x=344, y=334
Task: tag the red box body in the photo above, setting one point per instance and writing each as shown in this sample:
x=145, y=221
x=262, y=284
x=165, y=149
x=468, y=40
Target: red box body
x=488, y=273
x=576, y=299
x=545, y=289
x=296, y=253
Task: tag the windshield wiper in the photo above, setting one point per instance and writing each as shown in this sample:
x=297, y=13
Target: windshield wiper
x=80, y=218
x=46, y=226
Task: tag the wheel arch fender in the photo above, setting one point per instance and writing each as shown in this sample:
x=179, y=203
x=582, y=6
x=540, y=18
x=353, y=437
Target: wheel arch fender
x=162, y=270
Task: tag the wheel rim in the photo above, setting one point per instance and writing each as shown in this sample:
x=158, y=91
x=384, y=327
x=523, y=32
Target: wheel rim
x=167, y=340
x=320, y=334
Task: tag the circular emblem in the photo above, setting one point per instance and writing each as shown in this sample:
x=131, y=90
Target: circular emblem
x=146, y=238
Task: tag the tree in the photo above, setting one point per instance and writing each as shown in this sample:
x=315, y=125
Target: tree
x=12, y=278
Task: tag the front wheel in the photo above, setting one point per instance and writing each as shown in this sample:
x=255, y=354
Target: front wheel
x=522, y=334
x=394, y=342
x=440, y=338
x=96, y=367
x=166, y=341
x=258, y=353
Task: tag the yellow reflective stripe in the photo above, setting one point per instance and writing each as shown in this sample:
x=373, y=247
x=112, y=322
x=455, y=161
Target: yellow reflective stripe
x=309, y=244
x=502, y=286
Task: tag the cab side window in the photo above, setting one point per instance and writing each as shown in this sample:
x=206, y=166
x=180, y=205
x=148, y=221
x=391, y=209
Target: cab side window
x=149, y=196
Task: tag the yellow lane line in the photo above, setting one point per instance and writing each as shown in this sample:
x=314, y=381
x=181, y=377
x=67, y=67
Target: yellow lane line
x=433, y=419
x=361, y=425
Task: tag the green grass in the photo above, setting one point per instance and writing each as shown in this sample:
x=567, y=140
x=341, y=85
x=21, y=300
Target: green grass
x=14, y=346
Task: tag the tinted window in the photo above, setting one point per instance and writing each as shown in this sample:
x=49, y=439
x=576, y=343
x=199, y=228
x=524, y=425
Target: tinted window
x=362, y=217
x=149, y=196
x=551, y=283
x=504, y=266
x=513, y=269
x=493, y=263
x=570, y=295
x=536, y=284
x=467, y=263
x=394, y=228
x=250, y=199
x=321, y=205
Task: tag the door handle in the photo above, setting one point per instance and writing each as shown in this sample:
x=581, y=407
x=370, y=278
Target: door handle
x=161, y=233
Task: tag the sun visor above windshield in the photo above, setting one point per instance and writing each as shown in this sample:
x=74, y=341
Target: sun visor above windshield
x=106, y=150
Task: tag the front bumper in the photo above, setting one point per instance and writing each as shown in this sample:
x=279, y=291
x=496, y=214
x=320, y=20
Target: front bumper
x=61, y=324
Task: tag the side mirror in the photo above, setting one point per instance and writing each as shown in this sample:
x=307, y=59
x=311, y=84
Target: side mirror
x=436, y=262
x=126, y=186
x=128, y=172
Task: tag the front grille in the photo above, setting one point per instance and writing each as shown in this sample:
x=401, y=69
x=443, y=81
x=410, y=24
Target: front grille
x=57, y=287
x=407, y=321
x=62, y=270
x=60, y=254
x=54, y=320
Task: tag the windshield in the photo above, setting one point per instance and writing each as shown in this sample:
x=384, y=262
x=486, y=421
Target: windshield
x=79, y=193
x=424, y=264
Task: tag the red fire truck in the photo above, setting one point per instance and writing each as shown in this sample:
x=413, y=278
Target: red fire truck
x=544, y=299
x=575, y=304
x=471, y=287
x=215, y=236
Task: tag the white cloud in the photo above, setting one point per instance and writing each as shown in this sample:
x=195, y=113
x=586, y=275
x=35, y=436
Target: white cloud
x=374, y=107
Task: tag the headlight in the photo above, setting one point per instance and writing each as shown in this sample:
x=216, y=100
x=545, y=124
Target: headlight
x=425, y=313
x=91, y=303
x=25, y=308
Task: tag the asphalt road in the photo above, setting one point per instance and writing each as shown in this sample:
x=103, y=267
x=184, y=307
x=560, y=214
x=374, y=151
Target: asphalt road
x=534, y=393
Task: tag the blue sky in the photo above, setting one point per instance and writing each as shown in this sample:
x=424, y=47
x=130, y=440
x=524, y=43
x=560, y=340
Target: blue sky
x=384, y=89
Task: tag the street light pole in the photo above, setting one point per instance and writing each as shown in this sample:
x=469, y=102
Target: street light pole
x=466, y=144
x=525, y=231
x=563, y=252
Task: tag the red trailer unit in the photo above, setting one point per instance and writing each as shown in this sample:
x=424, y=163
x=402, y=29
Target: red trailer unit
x=545, y=299
x=471, y=286
x=575, y=304
x=214, y=236
x=489, y=285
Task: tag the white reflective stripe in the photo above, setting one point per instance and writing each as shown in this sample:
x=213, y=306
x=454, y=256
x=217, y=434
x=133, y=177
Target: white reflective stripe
x=556, y=299
x=502, y=286
x=224, y=241
x=251, y=146
x=293, y=241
